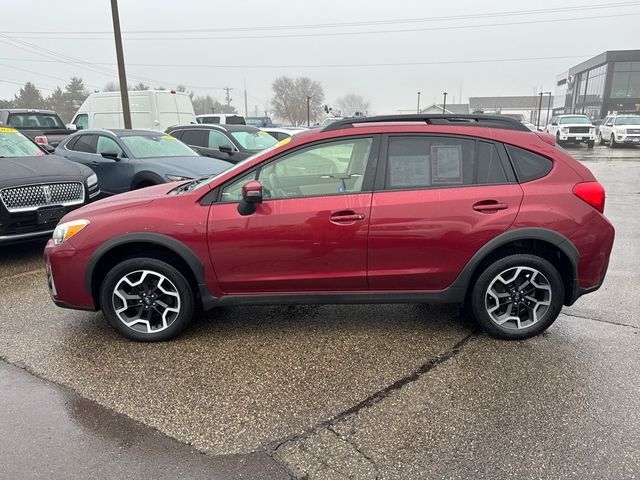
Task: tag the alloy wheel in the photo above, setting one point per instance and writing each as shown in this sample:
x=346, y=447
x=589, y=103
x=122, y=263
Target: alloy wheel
x=518, y=298
x=146, y=301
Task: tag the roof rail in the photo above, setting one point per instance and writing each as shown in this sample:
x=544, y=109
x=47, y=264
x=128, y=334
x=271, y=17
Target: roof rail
x=489, y=121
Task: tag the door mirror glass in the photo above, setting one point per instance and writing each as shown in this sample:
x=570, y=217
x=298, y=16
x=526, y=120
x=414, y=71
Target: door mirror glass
x=111, y=155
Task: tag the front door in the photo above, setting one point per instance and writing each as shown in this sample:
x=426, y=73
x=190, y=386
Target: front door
x=310, y=232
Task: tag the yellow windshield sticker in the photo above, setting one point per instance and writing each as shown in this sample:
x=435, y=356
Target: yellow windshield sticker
x=8, y=130
x=263, y=133
x=282, y=142
x=168, y=137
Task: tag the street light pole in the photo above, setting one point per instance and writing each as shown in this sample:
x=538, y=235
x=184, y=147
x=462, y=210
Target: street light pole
x=444, y=103
x=308, y=111
x=418, y=109
x=122, y=75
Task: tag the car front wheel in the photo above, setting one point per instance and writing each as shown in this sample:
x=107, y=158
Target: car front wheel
x=147, y=299
x=612, y=142
x=517, y=297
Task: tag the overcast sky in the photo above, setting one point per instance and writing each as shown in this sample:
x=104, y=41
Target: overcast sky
x=311, y=45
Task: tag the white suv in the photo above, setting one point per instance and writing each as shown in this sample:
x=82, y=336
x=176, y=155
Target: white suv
x=573, y=128
x=617, y=129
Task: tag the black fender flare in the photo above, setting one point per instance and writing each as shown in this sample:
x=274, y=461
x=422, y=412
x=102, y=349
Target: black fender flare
x=461, y=283
x=146, y=176
x=177, y=247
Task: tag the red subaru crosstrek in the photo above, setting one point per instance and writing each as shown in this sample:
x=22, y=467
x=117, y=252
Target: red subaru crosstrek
x=421, y=208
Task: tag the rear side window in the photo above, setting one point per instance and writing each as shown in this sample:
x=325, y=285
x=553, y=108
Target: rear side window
x=85, y=144
x=197, y=137
x=528, y=165
x=431, y=161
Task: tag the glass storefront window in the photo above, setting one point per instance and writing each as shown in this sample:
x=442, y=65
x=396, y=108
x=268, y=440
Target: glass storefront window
x=626, y=80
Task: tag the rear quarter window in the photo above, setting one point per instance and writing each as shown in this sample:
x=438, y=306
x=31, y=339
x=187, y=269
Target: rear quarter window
x=528, y=165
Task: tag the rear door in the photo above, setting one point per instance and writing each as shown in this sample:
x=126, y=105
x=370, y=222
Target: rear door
x=437, y=200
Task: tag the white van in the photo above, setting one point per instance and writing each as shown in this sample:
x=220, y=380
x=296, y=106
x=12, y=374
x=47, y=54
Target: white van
x=150, y=109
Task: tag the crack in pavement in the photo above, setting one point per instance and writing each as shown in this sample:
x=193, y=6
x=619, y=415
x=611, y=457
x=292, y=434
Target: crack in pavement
x=374, y=398
x=599, y=320
x=353, y=445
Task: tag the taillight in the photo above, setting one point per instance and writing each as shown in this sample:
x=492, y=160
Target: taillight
x=41, y=139
x=591, y=193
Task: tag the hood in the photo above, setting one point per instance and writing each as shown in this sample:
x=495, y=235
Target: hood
x=44, y=168
x=130, y=199
x=193, y=167
x=563, y=125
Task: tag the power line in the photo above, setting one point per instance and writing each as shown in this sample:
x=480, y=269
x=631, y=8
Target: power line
x=353, y=23
x=42, y=74
x=336, y=65
x=351, y=33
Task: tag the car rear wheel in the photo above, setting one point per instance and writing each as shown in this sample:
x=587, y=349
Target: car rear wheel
x=147, y=300
x=517, y=297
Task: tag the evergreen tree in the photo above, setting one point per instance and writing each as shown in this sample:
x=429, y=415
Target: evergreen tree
x=29, y=97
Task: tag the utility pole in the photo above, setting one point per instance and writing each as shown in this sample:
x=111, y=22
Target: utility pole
x=418, y=109
x=228, y=97
x=256, y=111
x=246, y=110
x=548, y=107
x=122, y=75
x=308, y=111
x=541, y=94
x=444, y=103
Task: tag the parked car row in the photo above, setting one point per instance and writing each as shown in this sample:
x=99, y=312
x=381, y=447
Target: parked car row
x=614, y=130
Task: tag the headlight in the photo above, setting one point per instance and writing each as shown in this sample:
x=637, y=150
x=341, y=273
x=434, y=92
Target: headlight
x=564, y=129
x=177, y=178
x=66, y=230
x=92, y=180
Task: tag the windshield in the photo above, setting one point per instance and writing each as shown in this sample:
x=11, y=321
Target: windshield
x=254, y=141
x=150, y=146
x=14, y=144
x=35, y=120
x=580, y=120
x=635, y=120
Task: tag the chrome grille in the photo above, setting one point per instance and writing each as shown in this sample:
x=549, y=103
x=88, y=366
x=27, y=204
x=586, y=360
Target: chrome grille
x=32, y=197
x=633, y=131
x=579, y=129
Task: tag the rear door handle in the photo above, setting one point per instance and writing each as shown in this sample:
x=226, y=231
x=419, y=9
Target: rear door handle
x=346, y=217
x=489, y=206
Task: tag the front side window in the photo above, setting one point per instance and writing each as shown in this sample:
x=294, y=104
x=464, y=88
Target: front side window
x=195, y=136
x=335, y=168
x=151, y=146
x=429, y=161
x=82, y=121
x=217, y=139
x=106, y=144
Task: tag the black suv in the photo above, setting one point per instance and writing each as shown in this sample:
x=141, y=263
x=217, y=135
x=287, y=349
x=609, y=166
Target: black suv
x=37, y=189
x=232, y=143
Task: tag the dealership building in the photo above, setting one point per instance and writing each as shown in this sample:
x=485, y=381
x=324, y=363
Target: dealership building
x=607, y=83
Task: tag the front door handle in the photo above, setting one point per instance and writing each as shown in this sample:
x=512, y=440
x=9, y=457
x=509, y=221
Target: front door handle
x=489, y=206
x=346, y=216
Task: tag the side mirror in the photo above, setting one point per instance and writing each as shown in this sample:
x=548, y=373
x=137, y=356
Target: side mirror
x=111, y=155
x=228, y=149
x=554, y=123
x=71, y=126
x=251, y=196
x=48, y=148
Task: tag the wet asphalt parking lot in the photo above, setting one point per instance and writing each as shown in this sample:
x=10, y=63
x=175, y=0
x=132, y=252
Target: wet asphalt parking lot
x=329, y=392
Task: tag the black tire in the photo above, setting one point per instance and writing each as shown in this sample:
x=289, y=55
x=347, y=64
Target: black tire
x=612, y=142
x=180, y=287
x=600, y=139
x=558, y=141
x=590, y=143
x=479, y=294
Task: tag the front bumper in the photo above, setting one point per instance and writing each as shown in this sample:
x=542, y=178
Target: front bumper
x=631, y=139
x=577, y=137
x=65, y=268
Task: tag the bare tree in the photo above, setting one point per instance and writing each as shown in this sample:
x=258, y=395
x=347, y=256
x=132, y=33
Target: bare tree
x=208, y=104
x=290, y=96
x=352, y=104
x=141, y=86
x=111, y=87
